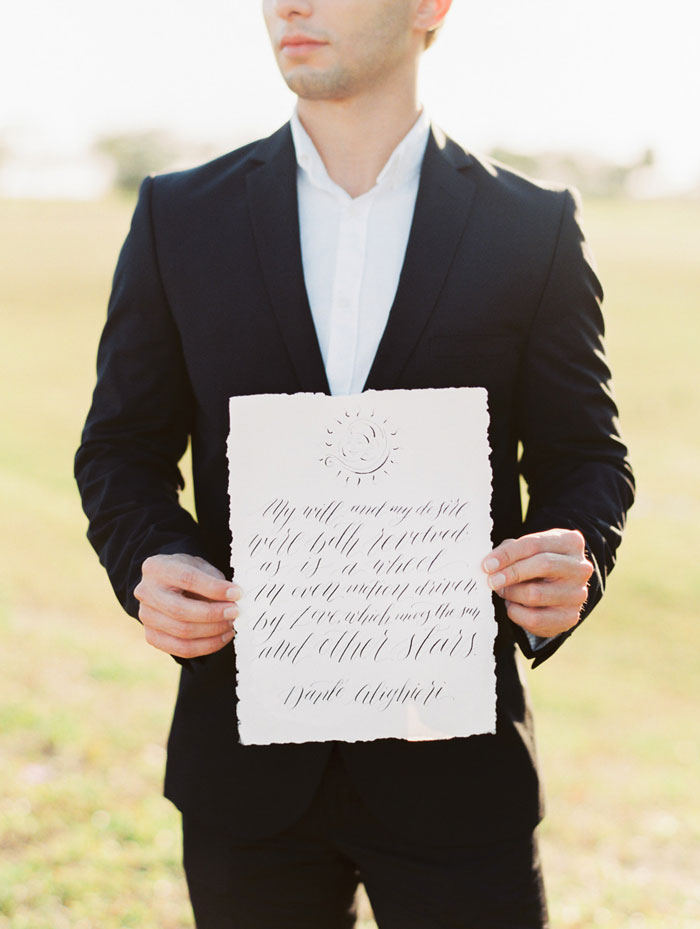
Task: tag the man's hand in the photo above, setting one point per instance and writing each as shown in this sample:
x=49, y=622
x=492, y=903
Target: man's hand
x=187, y=605
x=543, y=579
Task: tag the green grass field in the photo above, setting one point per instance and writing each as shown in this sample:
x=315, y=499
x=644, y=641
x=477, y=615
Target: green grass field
x=87, y=842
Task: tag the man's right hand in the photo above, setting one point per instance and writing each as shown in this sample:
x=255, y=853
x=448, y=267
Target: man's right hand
x=187, y=605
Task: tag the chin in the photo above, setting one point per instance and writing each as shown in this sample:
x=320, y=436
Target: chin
x=315, y=86
x=318, y=84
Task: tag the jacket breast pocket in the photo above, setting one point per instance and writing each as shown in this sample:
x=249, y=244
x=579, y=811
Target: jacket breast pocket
x=461, y=360
x=460, y=345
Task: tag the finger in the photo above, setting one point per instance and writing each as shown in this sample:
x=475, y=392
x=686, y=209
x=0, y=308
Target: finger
x=560, y=541
x=208, y=568
x=190, y=648
x=185, y=607
x=538, y=594
x=553, y=565
x=546, y=622
x=181, y=575
x=182, y=629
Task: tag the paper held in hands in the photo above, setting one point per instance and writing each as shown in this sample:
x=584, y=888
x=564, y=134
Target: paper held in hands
x=359, y=524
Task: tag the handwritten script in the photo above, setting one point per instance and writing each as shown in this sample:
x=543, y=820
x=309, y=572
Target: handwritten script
x=366, y=614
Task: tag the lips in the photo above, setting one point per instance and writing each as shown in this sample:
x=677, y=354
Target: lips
x=299, y=44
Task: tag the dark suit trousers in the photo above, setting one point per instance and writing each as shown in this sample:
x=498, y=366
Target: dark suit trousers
x=305, y=877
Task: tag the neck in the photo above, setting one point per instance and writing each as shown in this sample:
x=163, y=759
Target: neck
x=355, y=137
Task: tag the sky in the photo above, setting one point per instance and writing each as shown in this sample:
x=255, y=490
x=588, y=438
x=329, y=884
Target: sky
x=612, y=77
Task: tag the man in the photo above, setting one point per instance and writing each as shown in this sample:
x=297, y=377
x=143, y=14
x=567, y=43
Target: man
x=355, y=248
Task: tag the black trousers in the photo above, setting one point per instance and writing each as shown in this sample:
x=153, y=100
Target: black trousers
x=306, y=876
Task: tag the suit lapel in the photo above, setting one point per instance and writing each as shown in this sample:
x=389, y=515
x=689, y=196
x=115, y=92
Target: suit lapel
x=444, y=199
x=272, y=195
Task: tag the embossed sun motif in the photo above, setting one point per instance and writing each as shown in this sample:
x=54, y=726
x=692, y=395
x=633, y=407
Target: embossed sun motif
x=359, y=447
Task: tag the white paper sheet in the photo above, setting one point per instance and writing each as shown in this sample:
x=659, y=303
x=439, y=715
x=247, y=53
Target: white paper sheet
x=359, y=524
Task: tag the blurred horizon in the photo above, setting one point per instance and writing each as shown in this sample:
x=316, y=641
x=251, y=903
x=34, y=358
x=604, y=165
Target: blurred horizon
x=609, y=83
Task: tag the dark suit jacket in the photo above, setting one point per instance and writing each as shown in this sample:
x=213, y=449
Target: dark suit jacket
x=209, y=302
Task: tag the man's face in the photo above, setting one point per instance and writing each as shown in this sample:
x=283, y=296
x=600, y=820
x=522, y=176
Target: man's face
x=337, y=49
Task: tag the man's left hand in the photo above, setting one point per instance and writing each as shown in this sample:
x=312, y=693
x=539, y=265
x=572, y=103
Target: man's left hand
x=543, y=579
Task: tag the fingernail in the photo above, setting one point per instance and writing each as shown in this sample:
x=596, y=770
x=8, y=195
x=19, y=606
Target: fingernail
x=227, y=636
x=496, y=581
x=233, y=593
x=231, y=612
x=491, y=564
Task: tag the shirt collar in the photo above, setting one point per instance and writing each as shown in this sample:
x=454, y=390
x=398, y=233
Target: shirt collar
x=404, y=163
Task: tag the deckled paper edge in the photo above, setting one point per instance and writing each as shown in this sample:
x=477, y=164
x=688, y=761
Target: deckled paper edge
x=489, y=462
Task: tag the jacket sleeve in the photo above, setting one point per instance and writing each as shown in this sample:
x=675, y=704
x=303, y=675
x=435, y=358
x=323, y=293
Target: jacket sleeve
x=139, y=422
x=574, y=461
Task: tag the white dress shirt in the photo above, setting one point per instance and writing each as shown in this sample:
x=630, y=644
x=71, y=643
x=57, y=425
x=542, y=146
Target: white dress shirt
x=353, y=250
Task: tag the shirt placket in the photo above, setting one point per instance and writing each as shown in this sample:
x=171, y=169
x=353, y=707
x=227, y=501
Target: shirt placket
x=346, y=294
